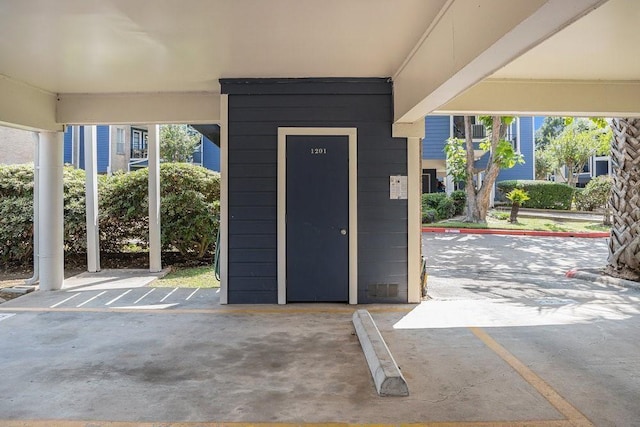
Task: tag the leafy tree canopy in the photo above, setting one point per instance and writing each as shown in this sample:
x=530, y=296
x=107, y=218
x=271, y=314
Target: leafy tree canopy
x=550, y=129
x=573, y=147
x=178, y=142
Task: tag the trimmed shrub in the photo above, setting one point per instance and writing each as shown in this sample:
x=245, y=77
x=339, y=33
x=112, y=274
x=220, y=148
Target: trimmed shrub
x=432, y=200
x=429, y=216
x=595, y=194
x=16, y=229
x=543, y=194
x=16, y=213
x=189, y=211
x=459, y=198
x=189, y=207
x=75, y=216
x=437, y=206
x=446, y=208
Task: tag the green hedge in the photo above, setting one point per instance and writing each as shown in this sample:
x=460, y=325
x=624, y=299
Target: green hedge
x=16, y=213
x=543, y=194
x=438, y=206
x=189, y=208
x=459, y=198
x=595, y=194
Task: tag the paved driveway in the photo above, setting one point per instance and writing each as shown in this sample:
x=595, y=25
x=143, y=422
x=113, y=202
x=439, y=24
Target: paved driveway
x=580, y=337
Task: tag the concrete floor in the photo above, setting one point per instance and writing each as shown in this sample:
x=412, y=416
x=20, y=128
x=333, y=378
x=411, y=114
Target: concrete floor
x=493, y=347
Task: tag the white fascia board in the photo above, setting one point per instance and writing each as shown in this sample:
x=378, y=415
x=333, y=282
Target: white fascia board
x=26, y=107
x=408, y=130
x=151, y=108
x=549, y=98
x=460, y=49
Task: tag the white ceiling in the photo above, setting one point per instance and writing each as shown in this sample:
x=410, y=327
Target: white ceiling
x=107, y=46
x=441, y=53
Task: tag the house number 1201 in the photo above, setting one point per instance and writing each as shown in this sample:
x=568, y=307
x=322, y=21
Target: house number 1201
x=318, y=151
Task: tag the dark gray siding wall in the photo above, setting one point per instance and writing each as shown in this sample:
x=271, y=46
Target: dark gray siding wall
x=256, y=109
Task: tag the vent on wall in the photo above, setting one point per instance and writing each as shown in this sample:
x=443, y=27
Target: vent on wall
x=383, y=290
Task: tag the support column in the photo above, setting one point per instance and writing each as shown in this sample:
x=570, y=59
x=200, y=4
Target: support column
x=155, y=253
x=91, y=197
x=224, y=199
x=36, y=202
x=51, y=210
x=413, y=132
x=414, y=218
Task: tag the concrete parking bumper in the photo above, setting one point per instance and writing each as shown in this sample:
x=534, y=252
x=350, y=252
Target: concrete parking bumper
x=384, y=369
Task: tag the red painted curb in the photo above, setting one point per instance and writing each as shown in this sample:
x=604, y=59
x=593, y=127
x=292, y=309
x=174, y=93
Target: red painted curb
x=592, y=234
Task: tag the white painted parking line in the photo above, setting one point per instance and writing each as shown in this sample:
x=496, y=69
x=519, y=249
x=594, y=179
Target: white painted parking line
x=142, y=297
x=169, y=294
x=192, y=293
x=6, y=316
x=91, y=299
x=118, y=297
x=64, y=300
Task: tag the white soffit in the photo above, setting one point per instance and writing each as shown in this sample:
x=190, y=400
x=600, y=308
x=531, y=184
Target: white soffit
x=603, y=45
x=122, y=46
x=591, y=68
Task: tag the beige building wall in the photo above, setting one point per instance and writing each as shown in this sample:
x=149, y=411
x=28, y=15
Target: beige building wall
x=16, y=146
x=120, y=158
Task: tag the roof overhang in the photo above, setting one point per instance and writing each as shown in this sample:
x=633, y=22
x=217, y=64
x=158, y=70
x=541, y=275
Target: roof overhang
x=122, y=61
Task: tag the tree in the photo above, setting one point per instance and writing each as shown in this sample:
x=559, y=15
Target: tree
x=550, y=129
x=624, y=244
x=178, y=142
x=575, y=145
x=517, y=196
x=462, y=166
x=544, y=164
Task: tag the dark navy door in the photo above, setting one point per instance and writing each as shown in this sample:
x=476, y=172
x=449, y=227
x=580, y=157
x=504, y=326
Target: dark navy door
x=317, y=218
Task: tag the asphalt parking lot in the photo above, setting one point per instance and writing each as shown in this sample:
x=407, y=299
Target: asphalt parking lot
x=504, y=340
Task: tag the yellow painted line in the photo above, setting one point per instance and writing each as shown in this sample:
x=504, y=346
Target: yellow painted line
x=573, y=415
x=257, y=310
x=76, y=423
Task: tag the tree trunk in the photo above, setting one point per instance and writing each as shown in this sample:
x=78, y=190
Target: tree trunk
x=473, y=213
x=515, y=207
x=478, y=199
x=624, y=244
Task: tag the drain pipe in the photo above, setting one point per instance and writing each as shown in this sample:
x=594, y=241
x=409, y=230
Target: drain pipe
x=36, y=217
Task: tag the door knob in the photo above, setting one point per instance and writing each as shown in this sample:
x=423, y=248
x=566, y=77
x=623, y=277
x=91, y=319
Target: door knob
x=343, y=231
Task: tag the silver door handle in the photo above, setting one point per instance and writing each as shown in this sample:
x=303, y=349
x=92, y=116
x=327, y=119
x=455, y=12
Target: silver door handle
x=343, y=231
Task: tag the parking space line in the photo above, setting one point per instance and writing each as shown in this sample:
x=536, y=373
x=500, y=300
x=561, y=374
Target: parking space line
x=91, y=299
x=168, y=295
x=76, y=423
x=192, y=294
x=142, y=297
x=118, y=297
x=64, y=300
x=552, y=396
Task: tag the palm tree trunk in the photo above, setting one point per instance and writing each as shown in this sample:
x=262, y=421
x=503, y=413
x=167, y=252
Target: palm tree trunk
x=624, y=244
x=515, y=207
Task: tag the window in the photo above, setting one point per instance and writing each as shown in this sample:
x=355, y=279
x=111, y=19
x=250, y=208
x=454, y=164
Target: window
x=139, y=144
x=120, y=141
x=478, y=130
x=512, y=134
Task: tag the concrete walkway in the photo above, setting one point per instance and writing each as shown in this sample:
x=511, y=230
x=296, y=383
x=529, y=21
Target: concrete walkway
x=113, y=279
